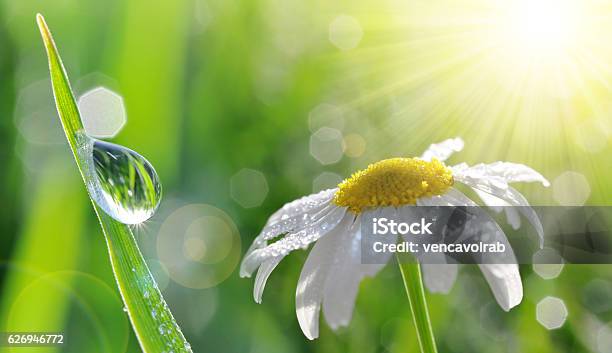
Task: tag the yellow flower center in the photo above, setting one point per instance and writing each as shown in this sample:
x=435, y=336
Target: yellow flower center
x=393, y=182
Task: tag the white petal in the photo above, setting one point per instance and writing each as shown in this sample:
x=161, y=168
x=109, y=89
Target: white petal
x=291, y=225
x=344, y=278
x=340, y=295
x=443, y=150
x=343, y=281
x=439, y=278
x=292, y=217
x=500, y=269
x=452, y=197
x=295, y=215
x=293, y=241
x=494, y=203
x=504, y=278
x=263, y=273
x=455, y=197
x=302, y=205
x=514, y=220
x=492, y=179
x=498, y=205
x=517, y=173
x=506, y=171
x=492, y=184
x=505, y=283
x=522, y=205
x=431, y=201
x=311, y=285
x=513, y=198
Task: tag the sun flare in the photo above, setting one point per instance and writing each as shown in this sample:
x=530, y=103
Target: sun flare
x=538, y=68
x=539, y=47
x=540, y=25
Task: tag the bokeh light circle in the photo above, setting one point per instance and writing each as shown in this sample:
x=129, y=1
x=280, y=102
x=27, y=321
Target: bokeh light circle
x=345, y=32
x=326, y=115
x=326, y=180
x=327, y=145
x=604, y=339
x=354, y=145
x=547, y=263
x=199, y=245
x=206, y=238
x=571, y=189
x=551, y=312
x=103, y=323
x=102, y=112
x=249, y=187
x=596, y=296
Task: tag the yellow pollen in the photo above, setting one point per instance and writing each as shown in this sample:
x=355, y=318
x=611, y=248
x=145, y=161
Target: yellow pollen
x=393, y=182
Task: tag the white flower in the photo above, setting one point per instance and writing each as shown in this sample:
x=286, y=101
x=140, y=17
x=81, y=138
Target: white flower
x=391, y=188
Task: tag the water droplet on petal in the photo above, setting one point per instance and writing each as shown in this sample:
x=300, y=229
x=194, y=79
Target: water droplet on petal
x=122, y=182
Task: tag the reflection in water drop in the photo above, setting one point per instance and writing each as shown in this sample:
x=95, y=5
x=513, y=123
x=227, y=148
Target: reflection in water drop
x=122, y=182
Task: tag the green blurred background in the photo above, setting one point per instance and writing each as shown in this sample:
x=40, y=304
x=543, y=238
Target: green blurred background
x=242, y=106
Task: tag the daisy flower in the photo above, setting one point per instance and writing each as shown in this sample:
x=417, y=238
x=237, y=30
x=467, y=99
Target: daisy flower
x=390, y=188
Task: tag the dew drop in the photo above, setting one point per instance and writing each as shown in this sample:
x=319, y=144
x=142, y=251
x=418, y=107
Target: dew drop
x=125, y=309
x=122, y=182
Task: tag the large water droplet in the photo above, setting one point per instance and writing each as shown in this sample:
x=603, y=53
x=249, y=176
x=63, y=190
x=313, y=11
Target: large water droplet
x=122, y=182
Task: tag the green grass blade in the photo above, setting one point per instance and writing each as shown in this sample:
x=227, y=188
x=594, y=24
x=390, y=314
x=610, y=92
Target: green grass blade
x=413, y=284
x=153, y=323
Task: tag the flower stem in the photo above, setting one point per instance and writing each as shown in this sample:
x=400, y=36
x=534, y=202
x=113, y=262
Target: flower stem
x=413, y=284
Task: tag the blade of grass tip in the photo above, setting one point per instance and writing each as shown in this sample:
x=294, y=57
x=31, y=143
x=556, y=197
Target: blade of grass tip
x=413, y=284
x=151, y=319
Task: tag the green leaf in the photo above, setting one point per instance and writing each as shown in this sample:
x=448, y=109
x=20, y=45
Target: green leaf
x=413, y=284
x=153, y=323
